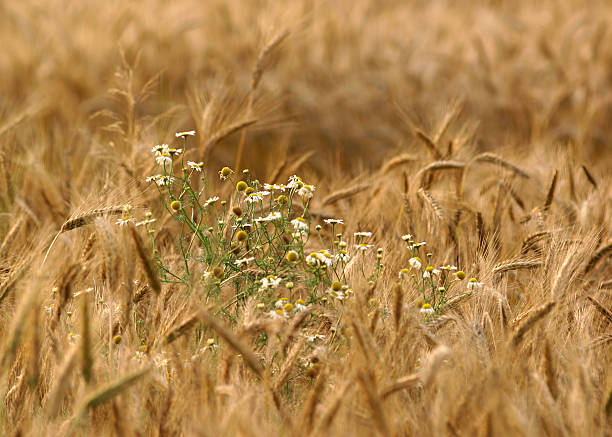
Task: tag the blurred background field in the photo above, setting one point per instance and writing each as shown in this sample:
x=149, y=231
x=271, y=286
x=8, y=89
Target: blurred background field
x=508, y=102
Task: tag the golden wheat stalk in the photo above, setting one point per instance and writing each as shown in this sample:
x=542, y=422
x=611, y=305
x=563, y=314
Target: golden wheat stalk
x=532, y=239
x=509, y=265
x=589, y=177
x=534, y=316
x=428, y=142
x=433, y=203
x=344, y=193
x=492, y=158
x=183, y=328
x=247, y=354
x=598, y=256
x=602, y=309
x=397, y=161
x=145, y=260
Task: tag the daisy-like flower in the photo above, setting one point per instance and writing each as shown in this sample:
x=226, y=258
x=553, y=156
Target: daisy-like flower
x=417, y=245
x=270, y=282
x=160, y=148
x=153, y=178
x=406, y=237
x=363, y=247
x=185, y=134
x=175, y=152
x=210, y=345
x=146, y=222
x=270, y=217
x=163, y=159
x=256, y=197
x=164, y=180
x=315, y=337
x=404, y=273
x=277, y=314
x=126, y=216
x=225, y=172
x=427, y=309
x=86, y=291
x=243, y=261
x=160, y=360
x=306, y=191
x=429, y=271
x=362, y=234
x=281, y=302
x=473, y=284
x=334, y=221
x=320, y=258
x=272, y=187
x=448, y=267
x=197, y=166
x=343, y=256
x=415, y=262
x=300, y=305
x=211, y=200
x=49, y=308
x=299, y=224
x=295, y=182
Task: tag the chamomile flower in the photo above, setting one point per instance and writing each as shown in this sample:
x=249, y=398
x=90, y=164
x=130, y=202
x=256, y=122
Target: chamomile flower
x=160, y=148
x=164, y=180
x=473, y=284
x=415, y=262
x=315, y=337
x=281, y=302
x=174, y=152
x=429, y=271
x=404, y=273
x=406, y=237
x=306, y=192
x=295, y=182
x=277, y=314
x=211, y=200
x=417, y=245
x=300, y=305
x=427, y=309
x=270, y=217
x=225, y=172
x=362, y=234
x=185, y=134
x=343, y=256
x=153, y=178
x=256, y=197
x=299, y=224
x=210, y=345
x=197, y=166
x=363, y=247
x=277, y=187
x=126, y=216
x=243, y=261
x=270, y=282
x=334, y=221
x=164, y=158
x=146, y=222
x=448, y=267
x=320, y=258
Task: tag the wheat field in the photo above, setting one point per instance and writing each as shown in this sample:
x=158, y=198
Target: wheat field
x=446, y=270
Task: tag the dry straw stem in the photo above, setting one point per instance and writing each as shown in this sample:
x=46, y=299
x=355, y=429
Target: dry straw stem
x=247, y=354
x=590, y=177
x=428, y=143
x=532, y=239
x=599, y=255
x=397, y=161
x=509, y=265
x=602, y=309
x=184, y=327
x=400, y=384
x=145, y=260
x=551, y=191
x=61, y=383
x=433, y=203
x=109, y=391
x=367, y=382
x=85, y=345
x=534, y=316
x=345, y=193
x=312, y=401
x=285, y=370
x=492, y=158
x=606, y=284
x=10, y=236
